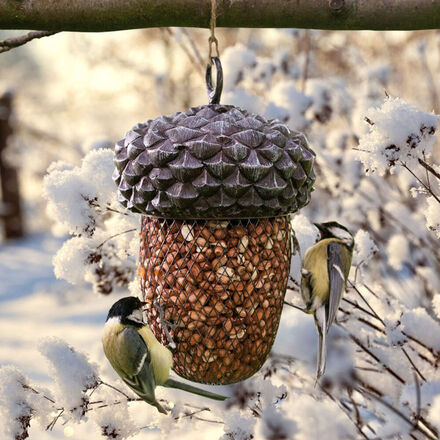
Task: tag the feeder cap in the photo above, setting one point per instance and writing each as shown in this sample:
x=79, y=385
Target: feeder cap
x=213, y=161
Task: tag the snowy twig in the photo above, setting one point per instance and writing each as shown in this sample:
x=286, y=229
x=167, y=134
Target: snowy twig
x=432, y=435
x=101, y=382
x=27, y=387
x=52, y=424
x=370, y=353
x=413, y=364
x=366, y=302
x=114, y=236
x=428, y=188
x=429, y=168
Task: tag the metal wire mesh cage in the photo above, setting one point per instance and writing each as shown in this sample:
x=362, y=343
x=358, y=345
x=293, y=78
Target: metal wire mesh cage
x=216, y=289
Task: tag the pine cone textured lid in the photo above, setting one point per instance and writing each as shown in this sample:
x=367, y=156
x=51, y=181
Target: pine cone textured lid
x=214, y=161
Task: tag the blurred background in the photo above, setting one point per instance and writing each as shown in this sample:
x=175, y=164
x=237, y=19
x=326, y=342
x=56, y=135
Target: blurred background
x=71, y=93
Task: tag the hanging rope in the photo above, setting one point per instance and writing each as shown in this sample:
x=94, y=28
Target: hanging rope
x=212, y=39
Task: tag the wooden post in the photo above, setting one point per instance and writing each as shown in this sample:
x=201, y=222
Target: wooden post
x=10, y=207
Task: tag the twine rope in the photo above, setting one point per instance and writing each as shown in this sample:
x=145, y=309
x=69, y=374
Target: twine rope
x=212, y=41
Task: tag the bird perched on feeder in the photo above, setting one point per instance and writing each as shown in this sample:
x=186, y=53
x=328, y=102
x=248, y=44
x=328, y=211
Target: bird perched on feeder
x=324, y=275
x=137, y=356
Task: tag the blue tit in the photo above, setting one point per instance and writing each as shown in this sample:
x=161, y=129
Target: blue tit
x=324, y=275
x=137, y=356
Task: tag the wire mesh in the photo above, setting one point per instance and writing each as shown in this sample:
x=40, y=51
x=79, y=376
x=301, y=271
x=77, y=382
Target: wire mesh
x=215, y=291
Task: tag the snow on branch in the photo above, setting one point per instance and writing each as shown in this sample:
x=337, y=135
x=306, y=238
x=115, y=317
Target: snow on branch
x=74, y=375
x=82, y=202
x=399, y=134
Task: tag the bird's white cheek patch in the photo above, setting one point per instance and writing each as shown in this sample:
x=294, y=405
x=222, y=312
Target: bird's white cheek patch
x=136, y=316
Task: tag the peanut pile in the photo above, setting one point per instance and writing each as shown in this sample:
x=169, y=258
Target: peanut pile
x=216, y=289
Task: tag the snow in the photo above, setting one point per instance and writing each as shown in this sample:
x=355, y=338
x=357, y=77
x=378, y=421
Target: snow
x=436, y=304
x=364, y=248
x=285, y=94
x=398, y=251
x=14, y=408
x=398, y=134
x=243, y=99
x=70, y=259
x=434, y=412
x=115, y=424
x=73, y=374
x=308, y=414
x=234, y=60
x=275, y=425
x=432, y=214
x=238, y=426
x=71, y=192
x=416, y=319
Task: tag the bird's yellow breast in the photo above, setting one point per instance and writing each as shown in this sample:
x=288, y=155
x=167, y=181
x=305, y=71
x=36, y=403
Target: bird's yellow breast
x=315, y=262
x=111, y=345
x=161, y=357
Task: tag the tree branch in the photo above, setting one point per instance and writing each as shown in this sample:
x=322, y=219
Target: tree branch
x=12, y=43
x=110, y=15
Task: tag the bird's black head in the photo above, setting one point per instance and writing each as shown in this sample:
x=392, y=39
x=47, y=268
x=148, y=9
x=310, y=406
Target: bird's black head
x=128, y=310
x=335, y=230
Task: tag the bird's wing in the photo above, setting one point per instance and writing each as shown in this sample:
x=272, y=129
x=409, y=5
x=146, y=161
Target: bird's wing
x=337, y=276
x=132, y=352
x=134, y=360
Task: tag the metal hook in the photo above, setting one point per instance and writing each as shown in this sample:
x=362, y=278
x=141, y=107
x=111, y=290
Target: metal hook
x=214, y=94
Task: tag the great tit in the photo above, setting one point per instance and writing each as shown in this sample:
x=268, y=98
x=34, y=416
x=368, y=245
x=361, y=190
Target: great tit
x=323, y=278
x=137, y=356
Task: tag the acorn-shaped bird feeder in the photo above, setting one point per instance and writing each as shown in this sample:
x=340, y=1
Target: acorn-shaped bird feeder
x=215, y=185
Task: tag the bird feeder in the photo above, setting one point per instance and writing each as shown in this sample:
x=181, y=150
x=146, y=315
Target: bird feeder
x=215, y=186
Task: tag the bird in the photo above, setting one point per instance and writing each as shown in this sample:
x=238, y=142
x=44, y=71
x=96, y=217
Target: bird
x=137, y=356
x=324, y=275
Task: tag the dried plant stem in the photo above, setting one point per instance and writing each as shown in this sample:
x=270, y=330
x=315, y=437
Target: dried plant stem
x=52, y=424
x=371, y=354
x=12, y=43
x=413, y=364
x=114, y=236
x=429, y=168
x=430, y=434
x=307, y=51
x=188, y=53
x=421, y=182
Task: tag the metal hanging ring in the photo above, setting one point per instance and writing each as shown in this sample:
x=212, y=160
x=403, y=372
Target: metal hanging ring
x=214, y=94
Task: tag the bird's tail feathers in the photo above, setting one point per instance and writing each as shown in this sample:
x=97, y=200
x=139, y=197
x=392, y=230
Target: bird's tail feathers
x=171, y=383
x=321, y=324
